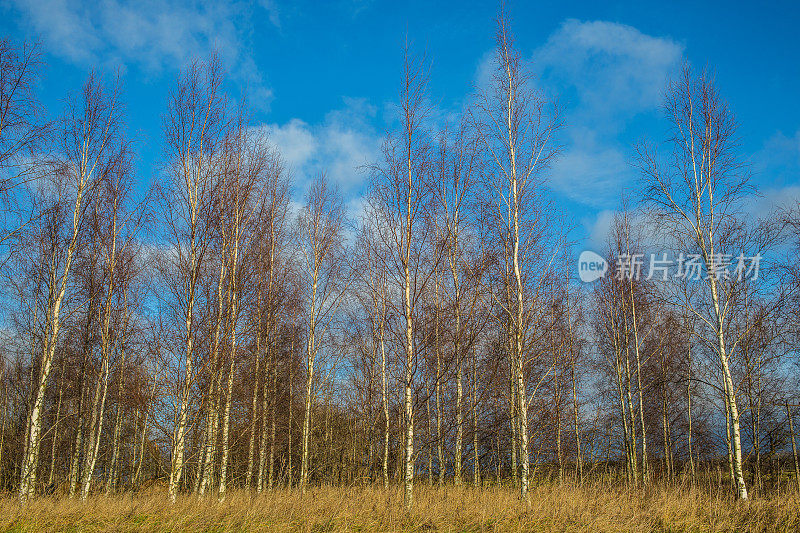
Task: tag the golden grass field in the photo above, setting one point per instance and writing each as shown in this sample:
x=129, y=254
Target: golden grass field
x=553, y=507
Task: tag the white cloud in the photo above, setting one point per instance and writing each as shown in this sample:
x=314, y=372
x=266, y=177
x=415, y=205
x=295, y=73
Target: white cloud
x=779, y=158
x=295, y=141
x=604, y=74
x=152, y=34
x=616, y=68
x=598, y=230
x=356, y=208
x=776, y=173
x=341, y=145
x=590, y=171
x=271, y=7
x=772, y=201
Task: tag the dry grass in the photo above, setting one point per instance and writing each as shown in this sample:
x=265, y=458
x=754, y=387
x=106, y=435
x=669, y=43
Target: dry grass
x=553, y=508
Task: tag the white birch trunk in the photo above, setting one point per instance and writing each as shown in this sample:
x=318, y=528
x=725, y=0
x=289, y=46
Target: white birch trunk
x=30, y=461
x=310, y=357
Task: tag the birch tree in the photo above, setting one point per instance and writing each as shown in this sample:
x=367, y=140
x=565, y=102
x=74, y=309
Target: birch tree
x=116, y=185
x=515, y=124
x=696, y=196
x=88, y=144
x=249, y=160
x=324, y=274
x=193, y=127
x=375, y=272
x=402, y=195
x=456, y=172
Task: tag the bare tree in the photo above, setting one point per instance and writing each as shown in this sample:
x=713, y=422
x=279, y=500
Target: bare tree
x=696, y=196
x=515, y=124
x=249, y=162
x=193, y=128
x=401, y=197
x=21, y=130
x=326, y=278
x=455, y=169
x=377, y=286
x=89, y=149
x=116, y=185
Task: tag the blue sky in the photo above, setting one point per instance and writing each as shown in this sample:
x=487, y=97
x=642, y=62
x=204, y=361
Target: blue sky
x=323, y=75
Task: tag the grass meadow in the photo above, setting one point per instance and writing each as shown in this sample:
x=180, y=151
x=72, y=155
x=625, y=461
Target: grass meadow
x=554, y=507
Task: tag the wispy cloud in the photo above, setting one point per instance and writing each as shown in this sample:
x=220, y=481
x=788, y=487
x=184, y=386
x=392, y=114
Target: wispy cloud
x=776, y=172
x=605, y=74
x=271, y=6
x=341, y=145
x=614, y=67
x=151, y=34
x=779, y=158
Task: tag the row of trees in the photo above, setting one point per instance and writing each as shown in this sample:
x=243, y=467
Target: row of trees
x=208, y=333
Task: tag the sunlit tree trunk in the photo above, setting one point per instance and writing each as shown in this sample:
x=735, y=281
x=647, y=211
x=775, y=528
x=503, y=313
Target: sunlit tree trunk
x=54, y=429
x=213, y=393
x=226, y=417
x=575, y=404
x=137, y=474
x=74, y=470
x=689, y=406
x=439, y=435
x=290, y=426
x=794, y=447
x=272, y=422
x=256, y=381
x=113, y=476
x=384, y=397
x=310, y=357
x=637, y=354
x=270, y=360
x=457, y=457
x=476, y=463
x=59, y=282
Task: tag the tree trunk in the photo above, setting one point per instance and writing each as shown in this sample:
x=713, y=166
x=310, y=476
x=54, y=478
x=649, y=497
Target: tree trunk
x=730, y=398
x=439, y=436
x=212, y=398
x=459, y=371
x=101, y=392
x=689, y=410
x=254, y=408
x=138, y=472
x=51, y=476
x=476, y=466
x=226, y=420
x=95, y=427
x=233, y=322
x=290, y=423
x=272, y=427
x=176, y=464
x=111, y=481
x=384, y=398
x=794, y=447
x=74, y=470
x=30, y=461
x=310, y=357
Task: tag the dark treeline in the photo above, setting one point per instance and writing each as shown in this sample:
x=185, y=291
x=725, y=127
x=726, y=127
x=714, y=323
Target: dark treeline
x=210, y=335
